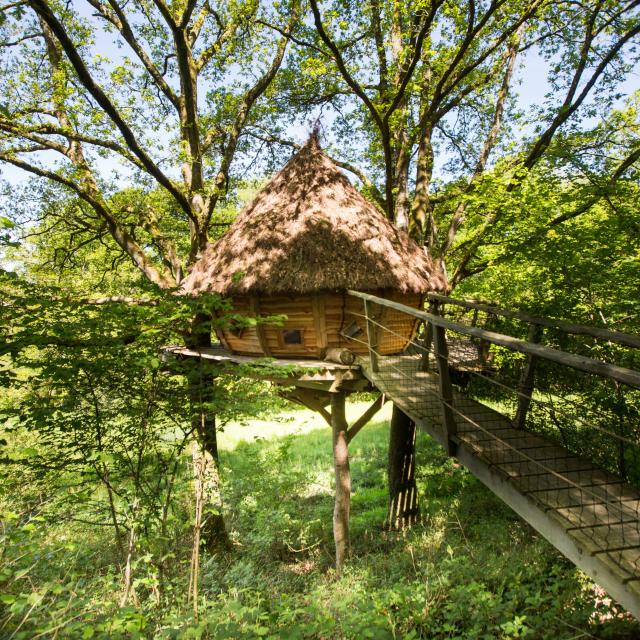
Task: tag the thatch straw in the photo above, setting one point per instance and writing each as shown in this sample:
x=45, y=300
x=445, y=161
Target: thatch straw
x=310, y=230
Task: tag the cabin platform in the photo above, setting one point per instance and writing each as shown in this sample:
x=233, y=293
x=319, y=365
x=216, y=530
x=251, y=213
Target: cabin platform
x=320, y=375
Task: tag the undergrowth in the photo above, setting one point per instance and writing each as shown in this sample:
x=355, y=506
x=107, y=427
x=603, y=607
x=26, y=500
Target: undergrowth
x=470, y=569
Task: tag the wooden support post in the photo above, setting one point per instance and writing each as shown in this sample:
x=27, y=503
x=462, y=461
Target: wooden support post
x=343, y=479
x=402, y=510
x=372, y=336
x=526, y=382
x=446, y=391
x=320, y=322
x=428, y=338
x=254, y=308
x=483, y=345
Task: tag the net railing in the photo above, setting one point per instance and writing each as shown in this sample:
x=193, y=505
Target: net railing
x=562, y=427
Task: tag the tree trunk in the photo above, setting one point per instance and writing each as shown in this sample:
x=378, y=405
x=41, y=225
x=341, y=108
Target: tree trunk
x=212, y=530
x=343, y=479
x=403, y=496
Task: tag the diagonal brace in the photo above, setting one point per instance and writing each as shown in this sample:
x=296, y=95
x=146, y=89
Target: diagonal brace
x=366, y=417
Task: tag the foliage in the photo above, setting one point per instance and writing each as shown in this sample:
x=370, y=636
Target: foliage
x=95, y=436
x=471, y=569
x=141, y=124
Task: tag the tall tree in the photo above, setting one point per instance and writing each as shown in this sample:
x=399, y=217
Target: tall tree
x=428, y=84
x=158, y=94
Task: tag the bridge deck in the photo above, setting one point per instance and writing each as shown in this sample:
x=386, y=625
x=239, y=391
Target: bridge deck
x=586, y=512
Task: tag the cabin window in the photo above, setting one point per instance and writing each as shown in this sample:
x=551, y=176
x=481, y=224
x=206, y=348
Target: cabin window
x=291, y=336
x=236, y=328
x=352, y=331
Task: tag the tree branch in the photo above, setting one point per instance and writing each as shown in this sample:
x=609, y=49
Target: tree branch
x=570, y=106
x=43, y=10
x=120, y=235
x=118, y=19
x=248, y=101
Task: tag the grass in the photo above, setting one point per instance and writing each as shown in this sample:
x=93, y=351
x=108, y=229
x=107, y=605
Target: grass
x=469, y=569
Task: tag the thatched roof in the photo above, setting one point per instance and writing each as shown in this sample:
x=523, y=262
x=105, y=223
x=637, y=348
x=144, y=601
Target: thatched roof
x=310, y=230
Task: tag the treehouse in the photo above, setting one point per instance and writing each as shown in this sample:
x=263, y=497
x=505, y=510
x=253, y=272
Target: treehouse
x=295, y=250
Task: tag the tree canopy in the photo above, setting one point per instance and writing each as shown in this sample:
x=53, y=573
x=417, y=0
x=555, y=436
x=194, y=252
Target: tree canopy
x=504, y=135
x=180, y=100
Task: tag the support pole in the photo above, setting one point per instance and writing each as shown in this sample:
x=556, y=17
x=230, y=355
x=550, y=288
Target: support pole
x=446, y=390
x=428, y=338
x=525, y=385
x=372, y=336
x=201, y=392
x=403, y=507
x=343, y=479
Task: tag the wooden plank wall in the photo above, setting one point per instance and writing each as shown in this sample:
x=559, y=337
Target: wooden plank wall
x=321, y=317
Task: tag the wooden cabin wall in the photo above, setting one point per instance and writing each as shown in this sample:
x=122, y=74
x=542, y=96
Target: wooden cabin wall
x=321, y=318
x=399, y=323
x=299, y=312
x=340, y=311
x=247, y=343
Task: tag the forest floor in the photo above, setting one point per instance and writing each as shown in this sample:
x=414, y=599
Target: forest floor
x=469, y=569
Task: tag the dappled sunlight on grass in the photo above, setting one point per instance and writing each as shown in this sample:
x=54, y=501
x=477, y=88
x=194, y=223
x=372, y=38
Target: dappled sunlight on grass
x=469, y=569
x=294, y=422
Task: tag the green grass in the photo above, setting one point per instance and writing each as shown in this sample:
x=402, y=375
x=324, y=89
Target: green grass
x=469, y=569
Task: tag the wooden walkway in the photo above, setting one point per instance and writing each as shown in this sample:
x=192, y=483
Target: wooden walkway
x=590, y=515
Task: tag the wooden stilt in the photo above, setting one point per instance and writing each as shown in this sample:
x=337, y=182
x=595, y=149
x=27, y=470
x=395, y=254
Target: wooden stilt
x=446, y=390
x=403, y=507
x=525, y=385
x=342, y=436
x=343, y=479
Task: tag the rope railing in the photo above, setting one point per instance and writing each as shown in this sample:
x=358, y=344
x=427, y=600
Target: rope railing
x=600, y=333
x=493, y=381
x=581, y=363
x=596, y=505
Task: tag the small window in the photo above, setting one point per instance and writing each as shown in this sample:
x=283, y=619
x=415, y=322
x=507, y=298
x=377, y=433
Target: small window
x=236, y=328
x=292, y=336
x=352, y=331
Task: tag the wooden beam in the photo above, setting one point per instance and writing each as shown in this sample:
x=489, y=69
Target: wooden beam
x=402, y=505
x=581, y=363
x=564, y=325
x=254, y=308
x=343, y=479
x=320, y=322
x=428, y=337
x=372, y=336
x=365, y=418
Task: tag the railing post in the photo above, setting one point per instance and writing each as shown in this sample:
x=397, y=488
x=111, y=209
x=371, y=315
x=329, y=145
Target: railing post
x=428, y=338
x=372, y=337
x=446, y=390
x=526, y=382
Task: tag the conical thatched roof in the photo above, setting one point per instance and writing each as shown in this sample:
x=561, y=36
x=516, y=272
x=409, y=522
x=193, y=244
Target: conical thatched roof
x=310, y=230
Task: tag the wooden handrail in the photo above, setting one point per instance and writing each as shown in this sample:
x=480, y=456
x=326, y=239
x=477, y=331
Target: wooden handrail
x=581, y=363
x=619, y=337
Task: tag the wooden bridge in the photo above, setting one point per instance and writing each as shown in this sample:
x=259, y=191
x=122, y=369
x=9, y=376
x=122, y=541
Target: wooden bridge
x=585, y=503
x=590, y=514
